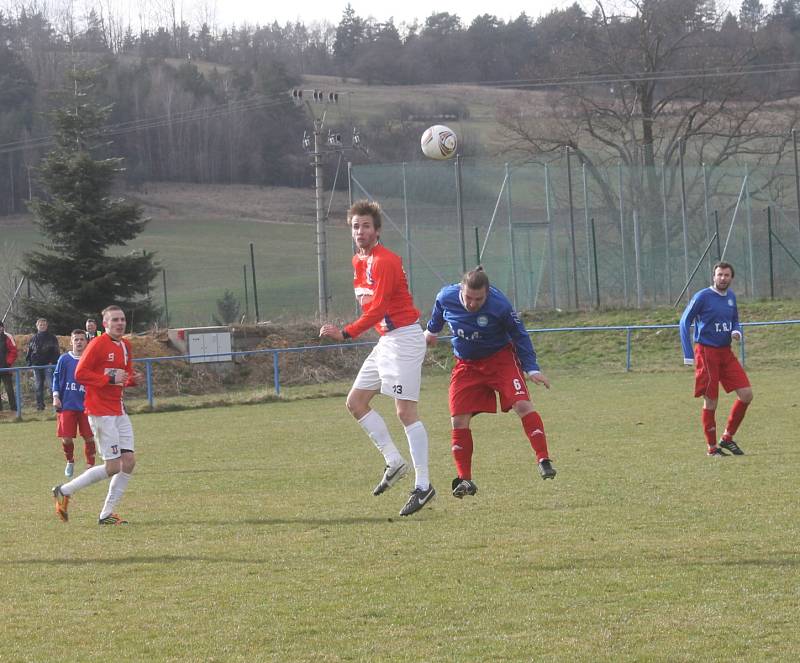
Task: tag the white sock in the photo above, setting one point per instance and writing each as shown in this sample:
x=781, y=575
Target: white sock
x=375, y=427
x=90, y=476
x=418, y=445
x=119, y=482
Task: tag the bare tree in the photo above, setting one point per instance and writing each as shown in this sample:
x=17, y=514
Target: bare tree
x=649, y=83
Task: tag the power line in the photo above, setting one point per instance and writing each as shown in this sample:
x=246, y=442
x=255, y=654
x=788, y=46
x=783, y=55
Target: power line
x=666, y=75
x=259, y=102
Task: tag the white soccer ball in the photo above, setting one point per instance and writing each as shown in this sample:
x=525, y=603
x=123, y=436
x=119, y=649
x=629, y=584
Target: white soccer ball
x=439, y=142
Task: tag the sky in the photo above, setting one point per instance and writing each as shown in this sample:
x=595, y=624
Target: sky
x=257, y=11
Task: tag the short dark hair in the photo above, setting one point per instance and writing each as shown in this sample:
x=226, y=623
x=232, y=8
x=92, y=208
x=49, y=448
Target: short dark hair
x=90, y=320
x=366, y=208
x=721, y=264
x=80, y=332
x=475, y=279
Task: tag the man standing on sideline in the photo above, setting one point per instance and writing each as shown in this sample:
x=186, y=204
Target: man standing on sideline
x=716, y=323
x=394, y=367
x=43, y=351
x=8, y=355
x=493, y=354
x=91, y=329
x=68, y=396
x=105, y=369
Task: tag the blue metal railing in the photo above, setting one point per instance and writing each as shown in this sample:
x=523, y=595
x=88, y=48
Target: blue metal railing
x=276, y=353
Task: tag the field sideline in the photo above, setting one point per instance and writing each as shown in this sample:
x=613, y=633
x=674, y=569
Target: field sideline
x=255, y=537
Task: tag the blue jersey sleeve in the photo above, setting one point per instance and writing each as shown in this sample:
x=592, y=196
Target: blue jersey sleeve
x=522, y=341
x=737, y=326
x=436, y=323
x=59, y=376
x=689, y=314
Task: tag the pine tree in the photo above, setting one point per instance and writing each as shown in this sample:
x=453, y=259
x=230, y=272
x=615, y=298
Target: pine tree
x=75, y=274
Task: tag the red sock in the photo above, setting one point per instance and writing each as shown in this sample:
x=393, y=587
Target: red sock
x=88, y=452
x=710, y=427
x=69, y=451
x=735, y=419
x=461, y=446
x=534, y=429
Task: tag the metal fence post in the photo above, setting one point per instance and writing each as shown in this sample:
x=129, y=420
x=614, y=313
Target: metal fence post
x=596, y=273
x=572, y=231
x=622, y=238
x=514, y=298
x=551, y=242
x=276, y=373
x=749, y=219
x=18, y=382
x=588, y=241
x=705, y=209
x=409, y=269
x=681, y=145
x=637, y=258
x=460, y=211
x=148, y=369
x=666, y=232
x=796, y=173
x=628, y=349
x=771, y=255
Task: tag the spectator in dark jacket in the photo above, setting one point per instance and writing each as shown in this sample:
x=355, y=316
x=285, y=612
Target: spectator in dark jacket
x=8, y=354
x=42, y=351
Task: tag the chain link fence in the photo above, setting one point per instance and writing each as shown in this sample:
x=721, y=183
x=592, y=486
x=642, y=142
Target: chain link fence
x=564, y=236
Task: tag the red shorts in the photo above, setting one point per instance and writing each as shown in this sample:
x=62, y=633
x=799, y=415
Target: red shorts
x=714, y=366
x=473, y=383
x=70, y=422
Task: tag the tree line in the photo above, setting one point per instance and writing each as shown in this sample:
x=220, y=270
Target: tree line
x=210, y=105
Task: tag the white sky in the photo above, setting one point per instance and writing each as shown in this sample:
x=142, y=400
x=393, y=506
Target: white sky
x=220, y=14
x=257, y=11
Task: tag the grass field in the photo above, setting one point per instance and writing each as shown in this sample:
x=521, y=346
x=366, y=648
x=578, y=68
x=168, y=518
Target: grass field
x=254, y=537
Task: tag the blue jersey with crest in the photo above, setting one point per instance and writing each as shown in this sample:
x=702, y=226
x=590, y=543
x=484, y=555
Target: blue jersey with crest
x=70, y=391
x=481, y=334
x=714, y=316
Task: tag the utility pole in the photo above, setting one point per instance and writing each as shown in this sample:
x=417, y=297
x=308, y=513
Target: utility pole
x=322, y=238
x=317, y=150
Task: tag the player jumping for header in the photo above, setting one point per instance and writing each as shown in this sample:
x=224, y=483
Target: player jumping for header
x=493, y=354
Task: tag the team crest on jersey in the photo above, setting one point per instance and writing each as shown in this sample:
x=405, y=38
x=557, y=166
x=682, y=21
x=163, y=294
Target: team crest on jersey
x=482, y=321
x=730, y=302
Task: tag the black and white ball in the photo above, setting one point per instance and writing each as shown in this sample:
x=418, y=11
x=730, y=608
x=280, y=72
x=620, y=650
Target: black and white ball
x=439, y=142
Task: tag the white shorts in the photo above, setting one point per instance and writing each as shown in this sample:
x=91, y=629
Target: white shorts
x=112, y=434
x=395, y=364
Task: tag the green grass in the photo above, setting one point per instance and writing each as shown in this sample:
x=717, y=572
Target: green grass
x=254, y=537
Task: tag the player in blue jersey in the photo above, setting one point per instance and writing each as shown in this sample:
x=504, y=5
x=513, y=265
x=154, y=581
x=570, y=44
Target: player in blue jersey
x=716, y=319
x=493, y=354
x=68, y=396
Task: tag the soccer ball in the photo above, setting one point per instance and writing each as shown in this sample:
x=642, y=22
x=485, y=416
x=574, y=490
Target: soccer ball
x=439, y=142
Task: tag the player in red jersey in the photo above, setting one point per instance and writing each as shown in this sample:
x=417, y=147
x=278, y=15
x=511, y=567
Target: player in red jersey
x=105, y=369
x=394, y=367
